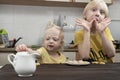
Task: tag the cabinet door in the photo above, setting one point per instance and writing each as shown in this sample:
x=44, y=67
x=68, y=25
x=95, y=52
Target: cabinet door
x=4, y=59
x=70, y=55
x=116, y=58
x=86, y=1
x=60, y=3
x=60, y=0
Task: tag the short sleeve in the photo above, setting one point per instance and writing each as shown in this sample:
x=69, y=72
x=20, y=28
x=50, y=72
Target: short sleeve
x=109, y=35
x=78, y=38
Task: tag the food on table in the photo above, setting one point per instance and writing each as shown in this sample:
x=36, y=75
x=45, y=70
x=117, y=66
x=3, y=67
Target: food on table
x=75, y=62
x=98, y=62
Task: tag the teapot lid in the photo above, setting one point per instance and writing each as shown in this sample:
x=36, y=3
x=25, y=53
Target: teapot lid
x=22, y=53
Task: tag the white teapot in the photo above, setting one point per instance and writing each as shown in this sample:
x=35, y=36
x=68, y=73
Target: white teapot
x=23, y=63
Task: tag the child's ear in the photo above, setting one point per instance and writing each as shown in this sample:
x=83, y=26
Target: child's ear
x=84, y=17
x=62, y=43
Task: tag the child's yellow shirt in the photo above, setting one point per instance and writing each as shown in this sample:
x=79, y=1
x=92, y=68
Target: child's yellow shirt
x=46, y=58
x=97, y=52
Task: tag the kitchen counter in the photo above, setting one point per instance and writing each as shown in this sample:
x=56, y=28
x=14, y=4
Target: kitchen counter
x=6, y=50
x=12, y=50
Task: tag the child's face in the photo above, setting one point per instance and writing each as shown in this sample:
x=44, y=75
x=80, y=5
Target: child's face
x=52, y=40
x=95, y=13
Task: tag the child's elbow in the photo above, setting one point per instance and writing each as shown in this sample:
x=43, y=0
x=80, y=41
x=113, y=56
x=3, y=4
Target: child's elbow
x=112, y=54
x=86, y=57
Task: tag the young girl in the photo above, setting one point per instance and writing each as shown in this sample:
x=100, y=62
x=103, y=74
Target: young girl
x=50, y=53
x=94, y=42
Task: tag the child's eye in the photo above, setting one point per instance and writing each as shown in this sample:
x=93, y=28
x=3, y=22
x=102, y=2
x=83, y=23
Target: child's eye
x=94, y=9
x=47, y=38
x=55, y=39
x=102, y=12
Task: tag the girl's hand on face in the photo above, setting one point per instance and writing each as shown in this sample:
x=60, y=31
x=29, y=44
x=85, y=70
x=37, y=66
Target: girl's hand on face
x=85, y=24
x=100, y=27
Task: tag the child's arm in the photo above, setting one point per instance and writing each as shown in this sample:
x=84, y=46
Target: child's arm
x=107, y=44
x=84, y=47
x=23, y=47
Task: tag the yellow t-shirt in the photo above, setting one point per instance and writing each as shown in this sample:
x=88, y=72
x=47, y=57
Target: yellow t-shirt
x=96, y=49
x=46, y=58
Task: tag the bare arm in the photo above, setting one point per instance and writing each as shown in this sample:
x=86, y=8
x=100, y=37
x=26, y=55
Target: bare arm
x=23, y=47
x=84, y=47
x=107, y=44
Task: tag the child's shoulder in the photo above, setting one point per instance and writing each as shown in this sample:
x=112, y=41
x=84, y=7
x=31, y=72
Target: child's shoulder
x=41, y=49
x=79, y=32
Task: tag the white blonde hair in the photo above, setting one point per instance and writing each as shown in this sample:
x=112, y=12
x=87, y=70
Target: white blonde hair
x=99, y=3
x=58, y=28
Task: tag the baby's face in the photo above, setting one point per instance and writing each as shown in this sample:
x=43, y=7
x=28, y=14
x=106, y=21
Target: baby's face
x=95, y=13
x=52, y=40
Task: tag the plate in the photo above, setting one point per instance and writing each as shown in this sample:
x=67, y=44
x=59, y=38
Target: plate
x=98, y=62
x=80, y=62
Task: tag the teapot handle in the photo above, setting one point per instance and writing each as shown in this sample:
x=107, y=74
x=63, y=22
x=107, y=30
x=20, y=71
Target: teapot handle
x=11, y=58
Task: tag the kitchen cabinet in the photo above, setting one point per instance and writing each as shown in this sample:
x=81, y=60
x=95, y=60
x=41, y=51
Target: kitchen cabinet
x=86, y=1
x=70, y=55
x=116, y=58
x=60, y=3
x=4, y=59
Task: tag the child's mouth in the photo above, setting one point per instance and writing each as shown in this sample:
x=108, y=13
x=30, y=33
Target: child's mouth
x=50, y=46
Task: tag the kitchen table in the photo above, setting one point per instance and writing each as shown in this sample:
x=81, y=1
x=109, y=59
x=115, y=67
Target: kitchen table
x=66, y=72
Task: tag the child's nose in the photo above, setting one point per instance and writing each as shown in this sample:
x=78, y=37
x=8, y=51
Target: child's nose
x=51, y=40
x=97, y=14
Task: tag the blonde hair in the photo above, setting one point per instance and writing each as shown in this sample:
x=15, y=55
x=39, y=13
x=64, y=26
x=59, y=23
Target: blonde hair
x=58, y=28
x=99, y=3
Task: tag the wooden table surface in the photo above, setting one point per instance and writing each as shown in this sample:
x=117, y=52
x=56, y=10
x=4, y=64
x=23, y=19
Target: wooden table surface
x=66, y=72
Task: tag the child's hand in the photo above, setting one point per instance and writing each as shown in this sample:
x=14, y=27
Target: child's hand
x=85, y=24
x=23, y=47
x=100, y=27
